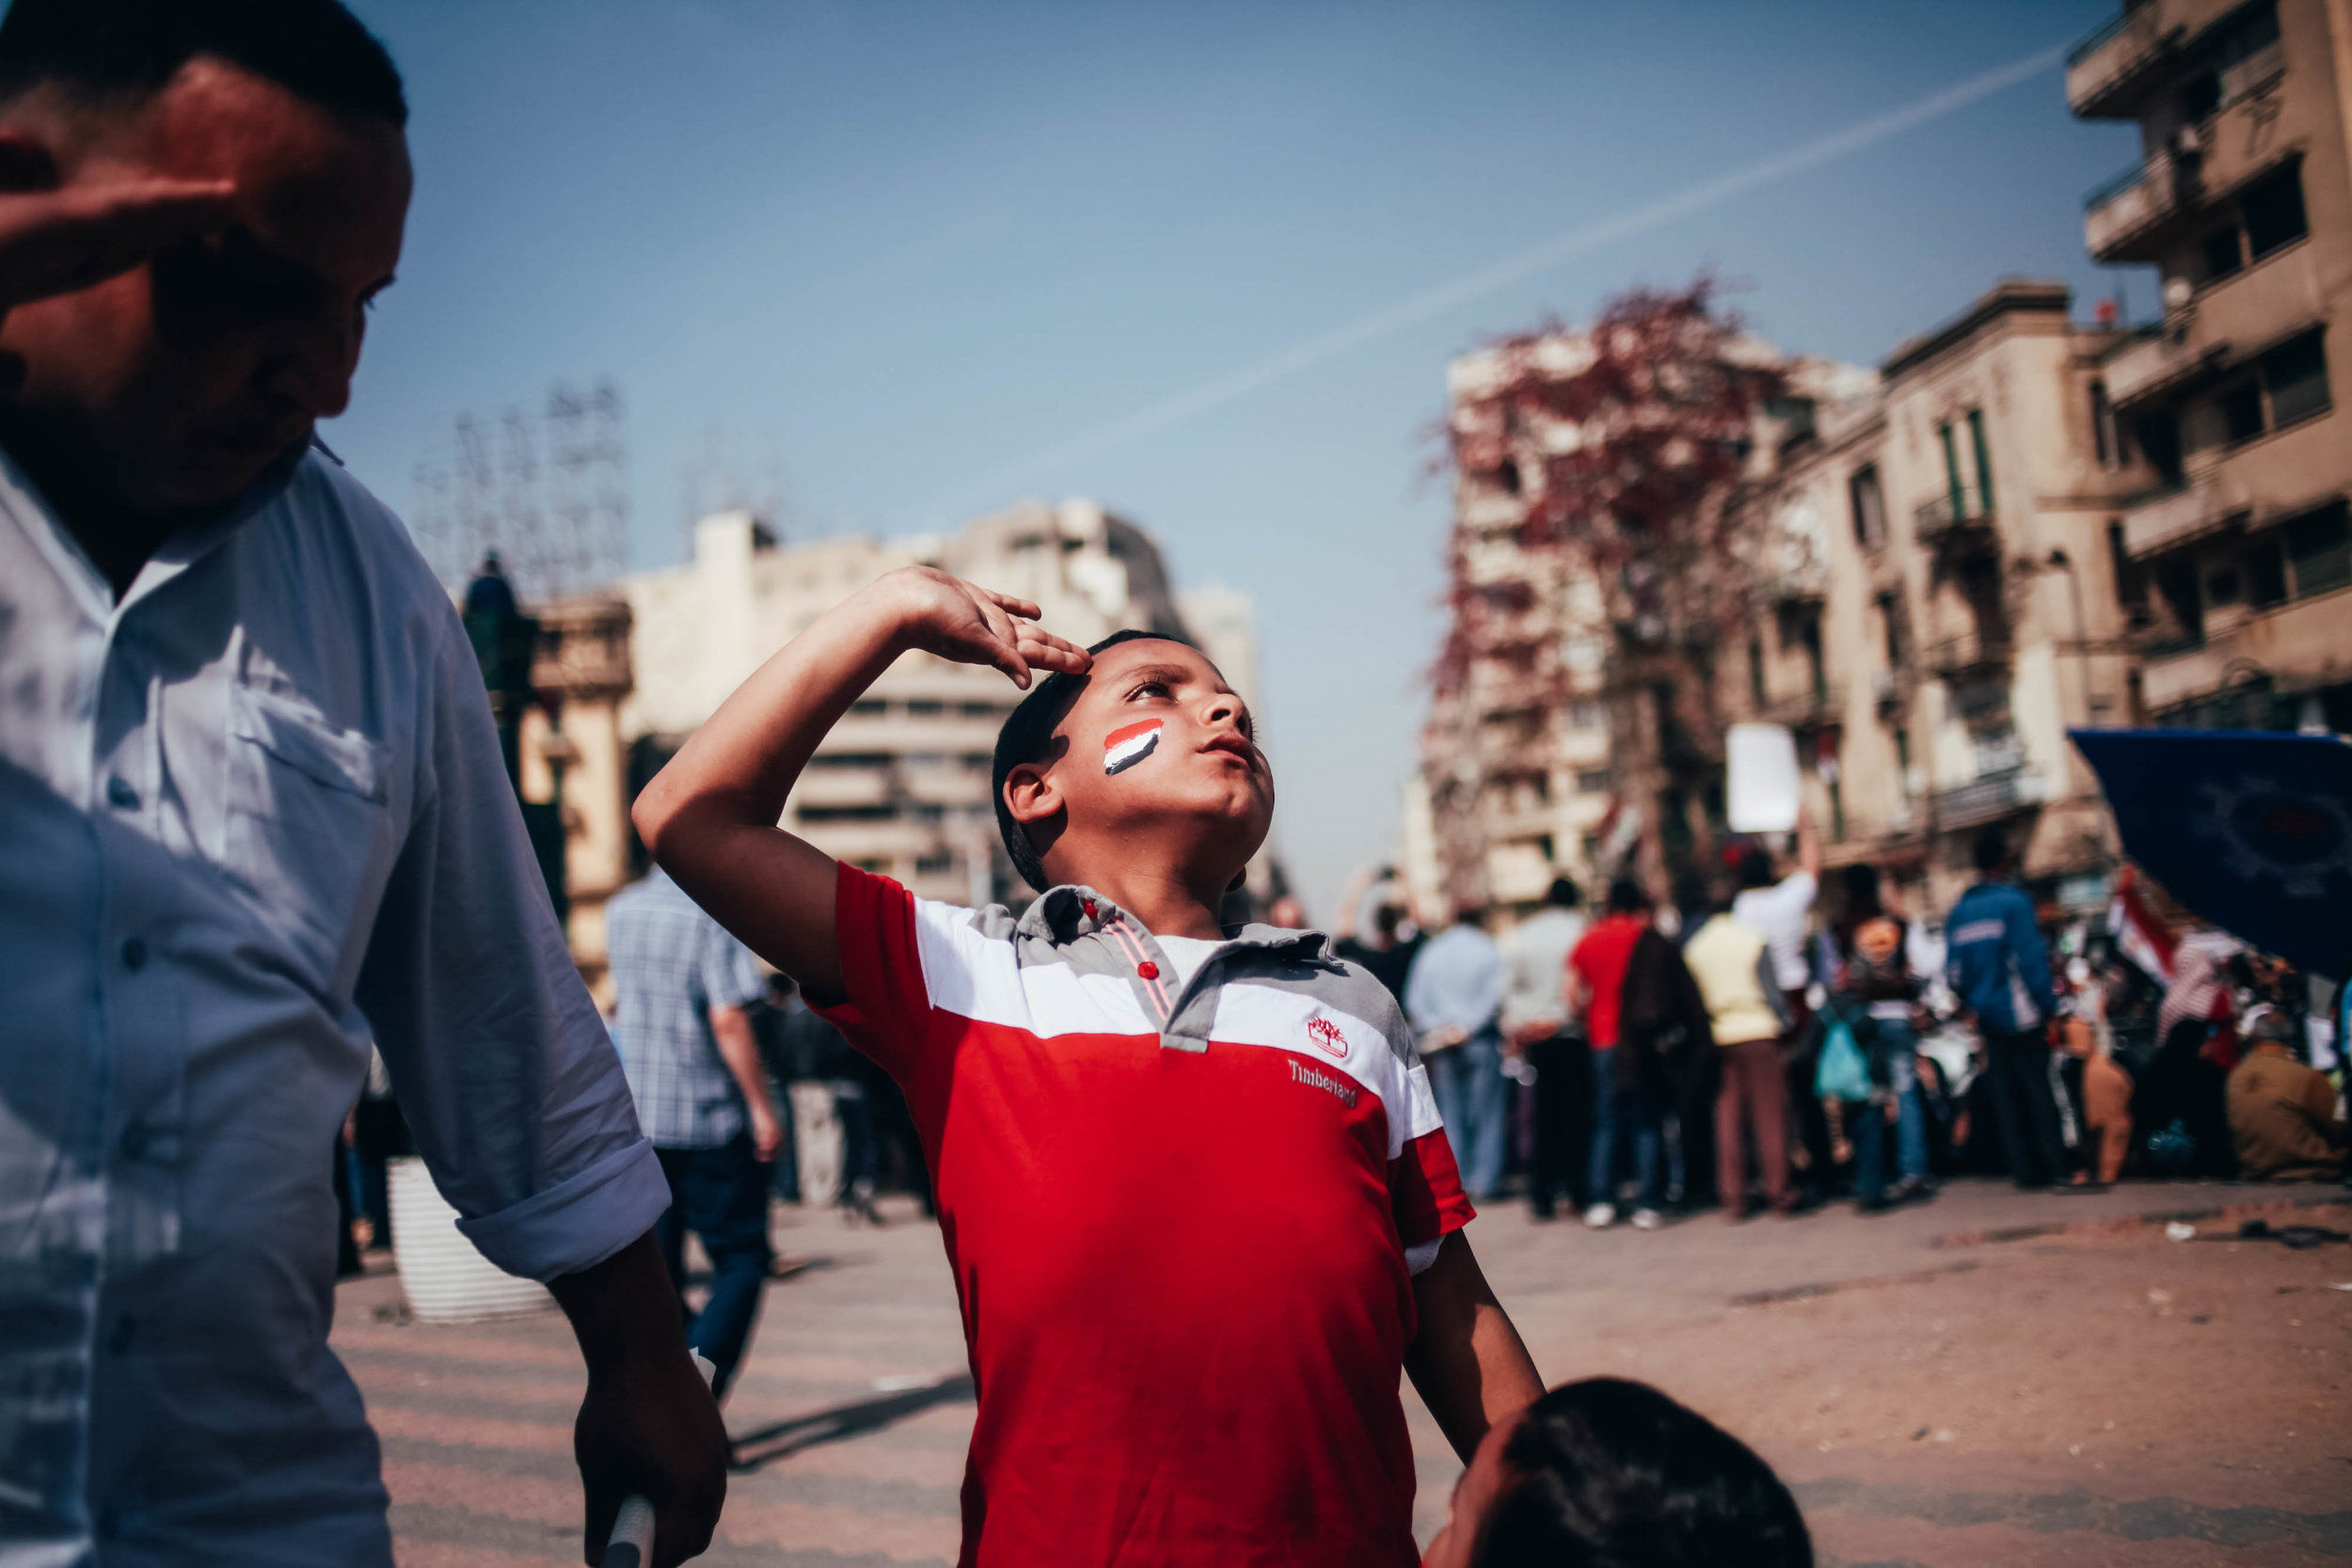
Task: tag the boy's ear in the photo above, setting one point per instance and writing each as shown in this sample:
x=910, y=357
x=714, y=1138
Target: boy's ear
x=1031, y=794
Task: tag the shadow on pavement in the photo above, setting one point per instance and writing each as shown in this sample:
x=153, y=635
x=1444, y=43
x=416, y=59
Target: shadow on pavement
x=782, y=1440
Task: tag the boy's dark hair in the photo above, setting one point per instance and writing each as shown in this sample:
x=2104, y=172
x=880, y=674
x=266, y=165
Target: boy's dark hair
x=1610, y=1472
x=1755, y=867
x=1990, y=851
x=1563, y=894
x=1628, y=897
x=1861, y=882
x=1028, y=732
x=100, y=50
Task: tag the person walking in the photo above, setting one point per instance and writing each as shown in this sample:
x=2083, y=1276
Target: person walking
x=1747, y=1015
x=1537, y=1026
x=254, y=817
x=1598, y=968
x=1454, y=997
x=1999, y=968
x=684, y=987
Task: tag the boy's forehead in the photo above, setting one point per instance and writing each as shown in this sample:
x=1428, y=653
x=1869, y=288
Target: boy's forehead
x=1150, y=653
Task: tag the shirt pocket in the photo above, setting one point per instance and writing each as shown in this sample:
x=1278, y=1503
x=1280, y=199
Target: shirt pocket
x=306, y=814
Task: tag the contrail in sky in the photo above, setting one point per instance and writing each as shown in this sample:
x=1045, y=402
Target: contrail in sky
x=1416, y=308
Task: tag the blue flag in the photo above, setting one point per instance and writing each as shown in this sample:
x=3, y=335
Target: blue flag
x=2251, y=828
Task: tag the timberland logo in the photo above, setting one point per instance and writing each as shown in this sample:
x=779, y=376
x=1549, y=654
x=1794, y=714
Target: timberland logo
x=1328, y=1037
x=1316, y=1077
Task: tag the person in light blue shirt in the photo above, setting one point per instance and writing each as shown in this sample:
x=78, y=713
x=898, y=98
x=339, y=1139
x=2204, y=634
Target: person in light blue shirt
x=253, y=818
x=1453, y=996
x=1999, y=967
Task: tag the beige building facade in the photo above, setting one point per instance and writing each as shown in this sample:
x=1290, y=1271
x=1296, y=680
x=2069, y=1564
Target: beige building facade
x=2240, y=544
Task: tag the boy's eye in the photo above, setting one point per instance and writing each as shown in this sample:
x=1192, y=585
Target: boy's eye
x=1152, y=688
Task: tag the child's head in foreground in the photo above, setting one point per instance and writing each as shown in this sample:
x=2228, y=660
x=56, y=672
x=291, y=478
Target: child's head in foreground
x=1147, y=762
x=1611, y=1474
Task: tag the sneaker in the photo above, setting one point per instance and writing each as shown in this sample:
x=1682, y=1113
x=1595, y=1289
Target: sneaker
x=1647, y=1219
x=1601, y=1216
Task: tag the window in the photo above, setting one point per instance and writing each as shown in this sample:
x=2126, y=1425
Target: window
x=1902, y=759
x=884, y=811
x=850, y=759
x=2319, y=548
x=2221, y=585
x=936, y=865
x=2273, y=211
x=2295, y=375
x=1587, y=713
x=978, y=762
x=1891, y=617
x=1508, y=477
x=1755, y=671
x=928, y=811
x=1870, y=507
x=1951, y=472
x=2241, y=410
x=869, y=707
x=2221, y=254
x=978, y=710
x=2102, y=431
x=1814, y=666
x=1984, y=458
x=2265, y=574
x=1592, y=781
x=925, y=707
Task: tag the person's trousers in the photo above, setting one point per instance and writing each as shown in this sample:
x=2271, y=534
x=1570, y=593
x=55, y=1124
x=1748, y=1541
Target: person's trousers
x=1564, y=1090
x=1898, y=1044
x=1467, y=1082
x=721, y=1195
x=1623, y=1112
x=2017, y=1070
x=1754, y=1096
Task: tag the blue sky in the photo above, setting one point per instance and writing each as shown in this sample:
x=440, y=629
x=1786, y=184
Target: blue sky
x=895, y=252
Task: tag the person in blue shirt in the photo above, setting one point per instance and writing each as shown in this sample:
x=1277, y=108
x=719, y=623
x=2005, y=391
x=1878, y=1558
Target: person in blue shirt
x=1453, y=996
x=2000, y=969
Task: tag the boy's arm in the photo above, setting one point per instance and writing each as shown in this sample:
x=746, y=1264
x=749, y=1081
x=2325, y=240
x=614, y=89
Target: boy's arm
x=1467, y=1361
x=711, y=817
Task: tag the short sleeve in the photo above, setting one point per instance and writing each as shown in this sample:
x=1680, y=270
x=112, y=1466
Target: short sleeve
x=730, y=976
x=1425, y=1191
x=887, y=1005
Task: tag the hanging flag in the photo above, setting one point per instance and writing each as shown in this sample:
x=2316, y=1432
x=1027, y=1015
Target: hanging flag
x=2250, y=829
x=2139, y=932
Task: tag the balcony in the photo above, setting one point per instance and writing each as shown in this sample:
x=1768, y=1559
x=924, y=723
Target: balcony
x=2161, y=362
x=1824, y=703
x=2169, y=518
x=2137, y=203
x=1959, y=521
x=1989, y=799
x=1973, y=654
x=2109, y=71
x=2297, y=645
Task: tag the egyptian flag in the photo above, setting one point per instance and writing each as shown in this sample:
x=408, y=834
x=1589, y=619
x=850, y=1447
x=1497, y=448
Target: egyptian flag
x=2138, y=931
x=1123, y=748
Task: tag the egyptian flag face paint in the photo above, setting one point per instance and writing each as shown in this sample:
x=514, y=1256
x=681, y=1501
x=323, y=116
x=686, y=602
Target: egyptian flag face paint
x=1123, y=748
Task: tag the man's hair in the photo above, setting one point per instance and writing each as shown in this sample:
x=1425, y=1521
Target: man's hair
x=1755, y=867
x=1861, y=884
x=1991, y=852
x=1470, y=913
x=1563, y=894
x=1608, y=1471
x=98, y=51
x=1628, y=897
x=1028, y=734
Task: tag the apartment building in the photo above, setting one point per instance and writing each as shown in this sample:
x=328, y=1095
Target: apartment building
x=901, y=786
x=2240, y=549
x=1964, y=597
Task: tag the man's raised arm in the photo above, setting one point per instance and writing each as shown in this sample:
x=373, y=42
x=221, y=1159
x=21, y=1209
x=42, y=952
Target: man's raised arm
x=711, y=817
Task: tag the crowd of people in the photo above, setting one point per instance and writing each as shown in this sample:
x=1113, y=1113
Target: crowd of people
x=1775, y=1039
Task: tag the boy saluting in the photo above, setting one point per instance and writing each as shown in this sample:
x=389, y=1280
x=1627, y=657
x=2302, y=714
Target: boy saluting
x=1192, y=1183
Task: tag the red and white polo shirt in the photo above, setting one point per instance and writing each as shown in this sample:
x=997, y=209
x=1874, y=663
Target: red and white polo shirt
x=1178, y=1211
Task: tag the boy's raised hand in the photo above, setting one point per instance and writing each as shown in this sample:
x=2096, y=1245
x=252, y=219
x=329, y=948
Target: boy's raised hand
x=949, y=617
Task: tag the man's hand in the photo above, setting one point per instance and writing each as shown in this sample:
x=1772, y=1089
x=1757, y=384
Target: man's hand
x=648, y=1424
x=767, y=1134
x=56, y=239
x=948, y=616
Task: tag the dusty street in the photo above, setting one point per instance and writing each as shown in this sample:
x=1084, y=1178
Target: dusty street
x=1997, y=1378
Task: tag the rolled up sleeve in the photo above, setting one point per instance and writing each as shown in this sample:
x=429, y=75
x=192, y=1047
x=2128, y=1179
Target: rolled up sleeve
x=499, y=1058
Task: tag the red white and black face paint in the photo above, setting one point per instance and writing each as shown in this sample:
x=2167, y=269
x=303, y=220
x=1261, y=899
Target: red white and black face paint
x=1130, y=744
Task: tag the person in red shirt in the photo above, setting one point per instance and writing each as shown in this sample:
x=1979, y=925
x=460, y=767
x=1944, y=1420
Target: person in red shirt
x=1195, y=1193
x=1596, y=968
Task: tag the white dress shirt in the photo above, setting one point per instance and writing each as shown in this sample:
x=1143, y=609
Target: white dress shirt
x=253, y=817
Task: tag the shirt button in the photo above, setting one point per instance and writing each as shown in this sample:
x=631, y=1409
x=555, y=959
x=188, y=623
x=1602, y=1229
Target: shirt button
x=1088, y=907
x=1149, y=969
x=119, y=793
x=135, y=954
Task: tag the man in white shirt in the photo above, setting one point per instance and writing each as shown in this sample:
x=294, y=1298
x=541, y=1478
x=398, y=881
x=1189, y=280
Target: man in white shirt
x=1780, y=909
x=1538, y=1029
x=253, y=817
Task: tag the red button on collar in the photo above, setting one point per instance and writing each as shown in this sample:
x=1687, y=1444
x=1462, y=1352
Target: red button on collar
x=1088, y=905
x=1149, y=969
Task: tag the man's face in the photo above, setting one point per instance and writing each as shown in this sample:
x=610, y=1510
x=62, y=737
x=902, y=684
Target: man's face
x=174, y=385
x=1158, y=737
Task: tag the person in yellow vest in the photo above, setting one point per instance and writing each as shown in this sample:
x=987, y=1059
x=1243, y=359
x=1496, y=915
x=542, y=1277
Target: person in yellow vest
x=1733, y=965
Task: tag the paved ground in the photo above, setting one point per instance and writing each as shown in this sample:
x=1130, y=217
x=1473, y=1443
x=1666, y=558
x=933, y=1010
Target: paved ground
x=1998, y=1378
